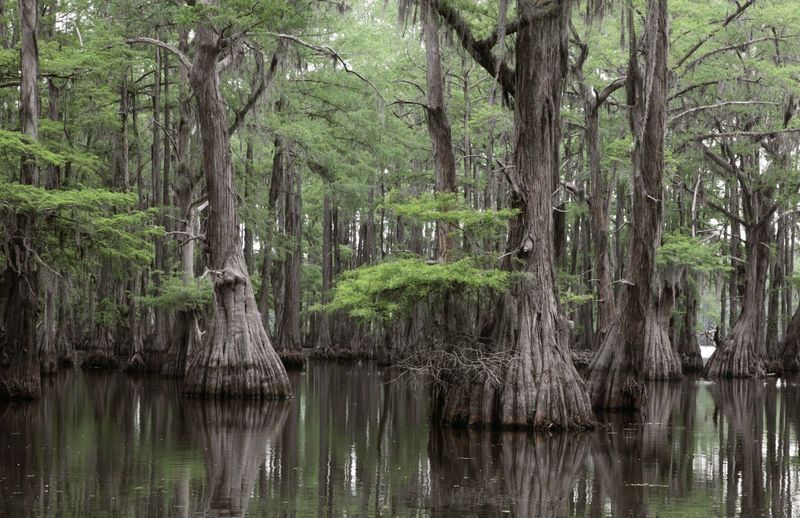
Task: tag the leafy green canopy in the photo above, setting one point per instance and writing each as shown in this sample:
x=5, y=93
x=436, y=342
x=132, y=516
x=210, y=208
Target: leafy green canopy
x=100, y=220
x=389, y=290
x=449, y=208
x=682, y=250
x=179, y=295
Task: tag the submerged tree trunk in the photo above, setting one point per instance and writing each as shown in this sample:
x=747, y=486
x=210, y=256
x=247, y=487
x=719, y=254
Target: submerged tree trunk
x=617, y=370
x=19, y=287
x=236, y=358
x=236, y=437
x=539, y=387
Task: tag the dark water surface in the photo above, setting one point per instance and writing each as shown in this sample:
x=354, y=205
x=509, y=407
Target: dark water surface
x=352, y=444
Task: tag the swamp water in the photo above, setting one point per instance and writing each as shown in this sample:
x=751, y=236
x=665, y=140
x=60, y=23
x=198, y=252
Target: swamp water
x=351, y=443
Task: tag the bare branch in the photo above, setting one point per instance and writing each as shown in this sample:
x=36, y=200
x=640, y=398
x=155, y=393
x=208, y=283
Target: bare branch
x=752, y=134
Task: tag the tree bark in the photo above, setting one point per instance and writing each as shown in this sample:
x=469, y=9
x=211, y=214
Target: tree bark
x=687, y=347
x=540, y=386
x=19, y=289
x=236, y=358
x=324, y=345
x=186, y=337
x=742, y=353
x=772, y=338
x=275, y=188
x=601, y=220
x=438, y=124
x=617, y=371
x=289, y=341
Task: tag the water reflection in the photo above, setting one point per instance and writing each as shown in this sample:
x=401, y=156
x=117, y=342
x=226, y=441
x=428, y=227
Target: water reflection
x=236, y=438
x=352, y=443
x=477, y=473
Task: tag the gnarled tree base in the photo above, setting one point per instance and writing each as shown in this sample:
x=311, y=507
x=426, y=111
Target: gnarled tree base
x=136, y=364
x=612, y=382
x=736, y=356
x=533, y=383
x=236, y=359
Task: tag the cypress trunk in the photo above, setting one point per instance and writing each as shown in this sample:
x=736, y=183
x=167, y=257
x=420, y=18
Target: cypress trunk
x=617, y=371
x=742, y=353
x=289, y=341
x=236, y=358
x=540, y=387
x=19, y=286
x=324, y=345
x=438, y=125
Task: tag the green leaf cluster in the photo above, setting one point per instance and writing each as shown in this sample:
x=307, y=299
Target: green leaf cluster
x=450, y=208
x=682, y=250
x=390, y=289
x=177, y=294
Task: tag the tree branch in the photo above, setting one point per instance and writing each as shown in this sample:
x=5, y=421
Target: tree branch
x=481, y=54
x=753, y=134
x=328, y=51
x=731, y=17
x=166, y=46
x=718, y=105
x=264, y=84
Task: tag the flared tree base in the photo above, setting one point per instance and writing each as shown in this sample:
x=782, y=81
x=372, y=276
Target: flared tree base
x=736, y=356
x=691, y=363
x=532, y=384
x=612, y=382
x=661, y=361
x=236, y=358
x=48, y=363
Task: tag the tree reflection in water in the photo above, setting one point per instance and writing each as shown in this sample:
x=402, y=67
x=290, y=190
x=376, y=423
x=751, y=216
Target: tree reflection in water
x=236, y=436
x=355, y=442
x=483, y=473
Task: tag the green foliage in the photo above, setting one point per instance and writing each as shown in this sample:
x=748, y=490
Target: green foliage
x=109, y=313
x=101, y=220
x=14, y=144
x=179, y=295
x=450, y=208
x=681, y=250
x=390, y=289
